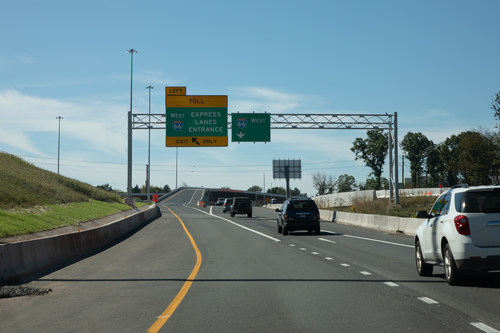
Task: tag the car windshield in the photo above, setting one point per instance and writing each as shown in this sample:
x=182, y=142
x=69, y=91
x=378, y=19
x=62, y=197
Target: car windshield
x=302, y=206
x=481, y=202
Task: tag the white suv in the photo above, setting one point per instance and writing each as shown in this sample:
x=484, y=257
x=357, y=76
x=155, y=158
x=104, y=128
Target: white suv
x=461, y=232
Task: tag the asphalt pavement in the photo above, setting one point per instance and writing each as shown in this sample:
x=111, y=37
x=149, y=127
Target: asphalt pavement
x=249, y=278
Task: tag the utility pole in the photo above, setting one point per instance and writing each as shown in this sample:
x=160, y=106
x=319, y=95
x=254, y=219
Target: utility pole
x=403, y=170
x=58, y=142
x=149, y=145
x=130, y=201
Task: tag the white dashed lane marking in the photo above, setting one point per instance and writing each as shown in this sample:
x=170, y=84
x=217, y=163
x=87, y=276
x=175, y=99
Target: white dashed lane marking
x=485, y=328
x=327, y=240
x=428, y=300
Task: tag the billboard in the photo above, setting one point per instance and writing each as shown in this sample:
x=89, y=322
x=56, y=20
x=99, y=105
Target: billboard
x=282, y=168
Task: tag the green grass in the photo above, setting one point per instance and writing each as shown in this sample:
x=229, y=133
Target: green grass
x=24, y=185
x=24, y=221
x=33, y=199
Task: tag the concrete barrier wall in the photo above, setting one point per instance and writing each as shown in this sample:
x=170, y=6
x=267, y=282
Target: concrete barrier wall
x=29, y=257
x=390, y=224
x=413, y=192
x=343, y=199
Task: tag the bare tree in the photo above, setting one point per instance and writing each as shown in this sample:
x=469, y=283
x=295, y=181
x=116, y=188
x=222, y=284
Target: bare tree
x=322, y=183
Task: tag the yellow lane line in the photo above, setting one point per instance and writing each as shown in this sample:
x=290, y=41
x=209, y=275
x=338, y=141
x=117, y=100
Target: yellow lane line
x=162, y=319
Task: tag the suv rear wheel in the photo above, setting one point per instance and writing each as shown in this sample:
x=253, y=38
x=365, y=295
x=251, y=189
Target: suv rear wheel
x=285, y=230
x=451, y=272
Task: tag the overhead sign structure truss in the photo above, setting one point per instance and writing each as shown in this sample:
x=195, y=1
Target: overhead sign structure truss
x=330, y=121
x=290, y=121
x=386, y=121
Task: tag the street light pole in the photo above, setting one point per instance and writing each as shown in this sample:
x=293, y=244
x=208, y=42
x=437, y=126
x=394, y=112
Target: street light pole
x=58, y=142
x=149, y=144
x=129, y=163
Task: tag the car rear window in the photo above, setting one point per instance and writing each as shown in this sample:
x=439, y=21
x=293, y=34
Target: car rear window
x=302, y=206
x=481, y=201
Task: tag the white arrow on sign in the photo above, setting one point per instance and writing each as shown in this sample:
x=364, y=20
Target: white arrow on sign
x=240, y=135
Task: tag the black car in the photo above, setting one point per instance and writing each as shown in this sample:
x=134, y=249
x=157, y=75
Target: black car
x=241, y=205
x=298, y=214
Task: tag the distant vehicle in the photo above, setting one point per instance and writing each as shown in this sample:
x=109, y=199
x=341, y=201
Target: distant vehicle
x=298, y=214
x=461, y=232
x=241, y=205
x=274, y=200
x=226, y=207
x=220, y=201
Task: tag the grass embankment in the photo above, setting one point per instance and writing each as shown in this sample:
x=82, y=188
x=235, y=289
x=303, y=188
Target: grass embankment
x=33, y=199
x=408, y=206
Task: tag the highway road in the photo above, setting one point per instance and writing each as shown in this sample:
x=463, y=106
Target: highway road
x=196, y=269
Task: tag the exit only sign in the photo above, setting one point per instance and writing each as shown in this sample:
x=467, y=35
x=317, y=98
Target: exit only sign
x=251, y=127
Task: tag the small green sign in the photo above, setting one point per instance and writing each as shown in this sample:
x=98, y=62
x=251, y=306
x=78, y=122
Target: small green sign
x=251, y=127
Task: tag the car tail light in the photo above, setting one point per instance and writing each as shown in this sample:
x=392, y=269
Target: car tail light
x=462, y=224
x=285, y=217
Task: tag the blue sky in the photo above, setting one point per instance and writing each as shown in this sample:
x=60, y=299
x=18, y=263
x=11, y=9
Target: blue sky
x=433, y=62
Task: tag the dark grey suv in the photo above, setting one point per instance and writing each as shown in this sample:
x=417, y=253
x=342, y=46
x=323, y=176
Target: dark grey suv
x=298, y=214
x=241, y=205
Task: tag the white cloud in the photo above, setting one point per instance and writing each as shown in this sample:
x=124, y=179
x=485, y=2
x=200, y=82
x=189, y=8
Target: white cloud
x=18, y=59
x=18, y=140
x=101, y=126
x=260, y=99
x=155, y=78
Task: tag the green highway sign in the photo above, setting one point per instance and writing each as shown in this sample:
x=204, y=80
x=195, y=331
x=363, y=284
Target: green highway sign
x=251, y=127
x=196, y=121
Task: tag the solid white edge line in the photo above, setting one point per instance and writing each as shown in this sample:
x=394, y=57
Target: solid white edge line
x=236, y=224
x=485, y=328
x=369, y=239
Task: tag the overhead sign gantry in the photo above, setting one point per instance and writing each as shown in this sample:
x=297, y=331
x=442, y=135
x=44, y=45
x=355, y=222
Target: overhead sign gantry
x=183, y=108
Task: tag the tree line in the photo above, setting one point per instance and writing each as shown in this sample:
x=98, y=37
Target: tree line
x=471, y=157
x=137, y=189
